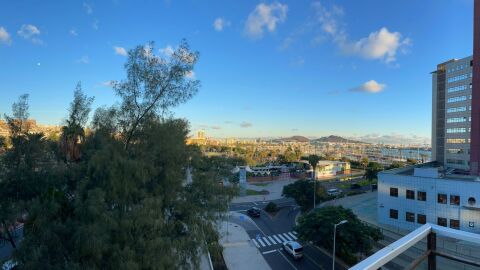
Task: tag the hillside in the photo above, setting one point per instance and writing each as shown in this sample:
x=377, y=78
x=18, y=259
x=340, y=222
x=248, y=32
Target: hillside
x=335, y=139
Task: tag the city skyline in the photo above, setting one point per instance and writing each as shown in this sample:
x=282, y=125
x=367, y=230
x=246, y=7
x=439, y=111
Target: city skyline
x=266, y=67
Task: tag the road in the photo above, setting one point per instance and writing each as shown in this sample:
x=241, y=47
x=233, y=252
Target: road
x=269, y=233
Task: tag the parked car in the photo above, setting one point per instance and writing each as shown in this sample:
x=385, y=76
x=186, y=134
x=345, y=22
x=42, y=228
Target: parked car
x=293, y=249
x=355, y=186
x=334, y=192
x=253, y=212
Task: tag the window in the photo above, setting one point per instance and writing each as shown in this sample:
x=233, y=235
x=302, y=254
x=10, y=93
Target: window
x=455, y=151
x=442, y=221
x=457, y=120
x=410, y=194
x=456, y=140
x=393, y=192
x=456, y=130
x=457, y=109
x=457, y=88
x=421, y=219
x=393, y=213
x=471, y=201
x=410, y=217
x=455, y=161
x=455, y=224
x=456, y=99
x=454, y=200
x=442, y=198
x=422, y=196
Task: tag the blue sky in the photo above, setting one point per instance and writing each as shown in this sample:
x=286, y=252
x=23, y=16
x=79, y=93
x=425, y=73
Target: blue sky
x=273, y=68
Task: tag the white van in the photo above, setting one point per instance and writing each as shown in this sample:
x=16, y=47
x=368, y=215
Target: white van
x=293, y=249
x=334, y=192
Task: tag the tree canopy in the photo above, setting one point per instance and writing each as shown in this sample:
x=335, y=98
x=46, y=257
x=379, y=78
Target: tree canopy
x=353, y=239
x=116, y=197
x=302, y=192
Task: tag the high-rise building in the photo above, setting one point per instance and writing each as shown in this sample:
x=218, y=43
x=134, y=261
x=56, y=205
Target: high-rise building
x=451, y=113
x=446, y=191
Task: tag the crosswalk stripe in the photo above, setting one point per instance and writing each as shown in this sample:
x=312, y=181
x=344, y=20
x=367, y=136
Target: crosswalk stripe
x=260, y=241
x=271, y=240
x=255, y=242
x=294, y=232
x=266, y=241
x=283, y=239
x=276, y=238
x=288, y=237
x=292, y=235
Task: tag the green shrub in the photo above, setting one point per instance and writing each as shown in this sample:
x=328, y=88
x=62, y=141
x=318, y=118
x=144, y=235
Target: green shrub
x=271, y=207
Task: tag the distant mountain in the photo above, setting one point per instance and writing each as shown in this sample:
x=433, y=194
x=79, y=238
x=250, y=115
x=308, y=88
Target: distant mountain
x=335, y=139
x=295, y=139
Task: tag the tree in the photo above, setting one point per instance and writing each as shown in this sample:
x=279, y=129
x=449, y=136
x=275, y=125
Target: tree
x=302, y=192
x=364, y=162
x=411, y=161
x=372, y=170
x=353, y=239
x=154, y=84
x=394, y=165
x=73, y=133
x=22, y=174
x=313, y=161
x=125, y=204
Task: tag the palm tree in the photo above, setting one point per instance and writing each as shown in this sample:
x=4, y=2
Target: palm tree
x=313, y=160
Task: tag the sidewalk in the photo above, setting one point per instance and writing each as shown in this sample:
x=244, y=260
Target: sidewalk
x=239, y=252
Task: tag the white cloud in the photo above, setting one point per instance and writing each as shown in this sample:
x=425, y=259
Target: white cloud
x=393, y=138
x=168, y=50
x=95, y=25
x=84, y=60
x=371, y=86
x=73, y=32
x=245, y=124
x=220, y=23
x=120, y=51
x=379, y=45
x=5, y=36
x=30, y=32
x=265, y=17
x=190, y=75
x=88, y=8
x=108, y=83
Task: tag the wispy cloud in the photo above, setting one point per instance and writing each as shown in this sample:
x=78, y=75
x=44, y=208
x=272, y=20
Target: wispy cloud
x=371, y=87
x=380, y=45
x=84, y=60
x=167, y=51
x=190, y=75
x=5, y=36
x=73, y=32
x=108, y=83
x=88, y=8
x=245, y=124
x=95, y=24
x=120, y=51
x=265, y=17
x=30, y=32
x=220, y=23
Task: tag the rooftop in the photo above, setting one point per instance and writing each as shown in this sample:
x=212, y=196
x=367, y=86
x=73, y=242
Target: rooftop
x=434, y=170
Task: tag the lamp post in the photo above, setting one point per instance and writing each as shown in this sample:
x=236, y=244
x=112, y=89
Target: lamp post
x=334, y=238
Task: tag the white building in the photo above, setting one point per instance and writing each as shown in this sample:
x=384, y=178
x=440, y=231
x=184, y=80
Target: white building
x=326, y=168
x=409, y=197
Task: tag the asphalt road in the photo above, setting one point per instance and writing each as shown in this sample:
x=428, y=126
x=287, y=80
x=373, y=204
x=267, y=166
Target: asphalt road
x=269, y=233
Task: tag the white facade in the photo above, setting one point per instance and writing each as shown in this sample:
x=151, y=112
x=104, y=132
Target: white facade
x=331, y=168
x=441, y=206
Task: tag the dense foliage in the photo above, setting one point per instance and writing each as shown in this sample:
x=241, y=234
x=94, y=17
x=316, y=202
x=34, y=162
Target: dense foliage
x=302, y=192
x=354, y=239
x=372, y=170
x=117, y=197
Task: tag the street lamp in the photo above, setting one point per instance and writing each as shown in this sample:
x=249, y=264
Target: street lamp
x=334, y=238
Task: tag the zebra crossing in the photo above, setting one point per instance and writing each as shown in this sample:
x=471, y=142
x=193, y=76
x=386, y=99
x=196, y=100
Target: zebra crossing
x=276, y=239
